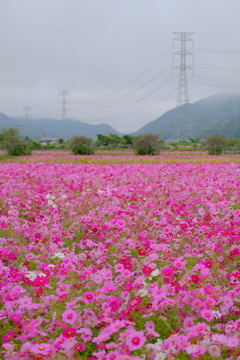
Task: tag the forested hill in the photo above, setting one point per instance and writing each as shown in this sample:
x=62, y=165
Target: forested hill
x=218, y=114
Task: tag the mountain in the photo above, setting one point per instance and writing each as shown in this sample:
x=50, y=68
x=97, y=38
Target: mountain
x=213, y=115
x=218, y=114
x=6, y=121
x=39, y=128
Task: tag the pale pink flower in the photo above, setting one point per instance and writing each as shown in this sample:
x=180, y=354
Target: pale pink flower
x=232, y=341
x=214, y=350
x=135, y=340
x=69, y=316
x=42, y=349
x=207, y=315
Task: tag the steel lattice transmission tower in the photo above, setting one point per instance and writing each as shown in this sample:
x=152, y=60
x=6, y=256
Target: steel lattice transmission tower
x=182, y=128
x=26, y=112
x=64, y=95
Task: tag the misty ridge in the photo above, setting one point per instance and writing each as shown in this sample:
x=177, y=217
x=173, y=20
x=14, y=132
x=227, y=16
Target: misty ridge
x=218, y=114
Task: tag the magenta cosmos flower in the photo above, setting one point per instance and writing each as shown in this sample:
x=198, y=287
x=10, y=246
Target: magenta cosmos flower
x=135, y=340
x=89, y=296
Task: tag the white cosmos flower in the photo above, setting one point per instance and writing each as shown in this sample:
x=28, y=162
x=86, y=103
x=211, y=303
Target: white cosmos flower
x=142, y=292
x=59, y=255
x=50, y=202
x=31, y=275
x=158, y=344
x=42, y=274
x=160, y=356
x=48, y=196
x=54, y=206
x=155, y=272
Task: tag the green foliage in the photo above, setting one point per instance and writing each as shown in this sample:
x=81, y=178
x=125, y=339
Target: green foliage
x=194, y=140
x=10, y=132
x=148, y=144
x=215, y=144
x=81, y=145
x=79, y=140
x=18, y=148
x=114, y=141
x=82, y=150
x=34, y=145
x=13, y=144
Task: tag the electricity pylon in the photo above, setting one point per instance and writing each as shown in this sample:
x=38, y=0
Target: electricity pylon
x=182, y=128
x=26, y=111
x=64, y=109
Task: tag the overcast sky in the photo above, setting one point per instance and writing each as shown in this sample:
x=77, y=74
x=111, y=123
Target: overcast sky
x=100, y=50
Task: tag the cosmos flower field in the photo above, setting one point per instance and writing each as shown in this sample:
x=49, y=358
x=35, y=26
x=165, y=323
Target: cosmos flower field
x=119, y=261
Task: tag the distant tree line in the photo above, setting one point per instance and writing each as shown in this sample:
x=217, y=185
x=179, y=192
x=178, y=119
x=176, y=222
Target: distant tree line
x=147, y=144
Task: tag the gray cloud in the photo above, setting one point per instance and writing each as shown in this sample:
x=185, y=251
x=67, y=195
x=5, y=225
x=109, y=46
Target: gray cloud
x=95, y=47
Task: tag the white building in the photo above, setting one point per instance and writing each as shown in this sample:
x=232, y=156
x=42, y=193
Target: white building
x=48, y=140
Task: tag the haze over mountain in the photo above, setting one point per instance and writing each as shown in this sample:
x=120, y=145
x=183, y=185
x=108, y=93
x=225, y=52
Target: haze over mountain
x=39, y=128
x=217, y=114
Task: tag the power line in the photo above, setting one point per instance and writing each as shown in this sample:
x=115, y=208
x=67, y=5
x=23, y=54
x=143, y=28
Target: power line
x=123, y=87
x=146, y=107
x=214, y=67
x=216, y=51
x=142, y=98
x=45, y=109
x=135, y=90
x=216, y=82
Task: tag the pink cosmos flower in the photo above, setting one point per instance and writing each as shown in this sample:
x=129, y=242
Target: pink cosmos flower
x=135, y=340
x=69, y=316
x=26, y=347
x=97, y=278
x=69, y=332
x=79, y=347
x=113, y=355
x=16, y=317
x=147, y=270
x=89, y=296
x=227, y=300
x=117, y=325
x=214, y=351
x=9, y=336
x=207, y=315
x=178, y=263
x=63, y=289
x=25, y=302
x=41, y=281
x=85, y=334
x=188, y=322
x=232, y=341
x=42, y=349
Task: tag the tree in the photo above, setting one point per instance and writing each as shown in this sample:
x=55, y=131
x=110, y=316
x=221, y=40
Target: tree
x=215, y=144
x=13, y=144
x=81, y=145
x=148, y=144
x=128, y=140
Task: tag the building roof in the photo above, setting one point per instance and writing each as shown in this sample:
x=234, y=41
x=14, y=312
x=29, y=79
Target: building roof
x=48, y=139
